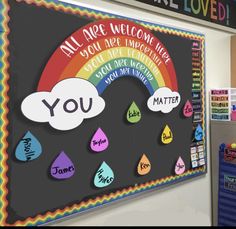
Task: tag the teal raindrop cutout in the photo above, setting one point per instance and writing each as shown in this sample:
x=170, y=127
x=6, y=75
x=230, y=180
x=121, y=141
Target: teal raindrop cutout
x=104, y=176
x=29, y=148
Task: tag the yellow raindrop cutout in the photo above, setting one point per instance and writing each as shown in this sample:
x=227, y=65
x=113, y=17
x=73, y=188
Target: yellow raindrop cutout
x=167, y=135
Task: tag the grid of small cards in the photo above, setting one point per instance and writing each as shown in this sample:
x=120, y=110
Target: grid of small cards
x=198, y=155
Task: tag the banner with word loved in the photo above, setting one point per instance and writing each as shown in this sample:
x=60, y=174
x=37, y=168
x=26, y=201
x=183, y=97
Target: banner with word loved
x=221, y=12
x=94, y=108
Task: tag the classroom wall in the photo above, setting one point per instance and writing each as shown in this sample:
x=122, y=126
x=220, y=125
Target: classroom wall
x=184, y=204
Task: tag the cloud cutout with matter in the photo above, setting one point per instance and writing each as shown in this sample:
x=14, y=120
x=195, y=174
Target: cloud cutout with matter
x=164, y=100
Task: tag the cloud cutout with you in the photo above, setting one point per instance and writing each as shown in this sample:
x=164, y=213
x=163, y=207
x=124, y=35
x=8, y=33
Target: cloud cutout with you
x=66, y=106
x=164, y=100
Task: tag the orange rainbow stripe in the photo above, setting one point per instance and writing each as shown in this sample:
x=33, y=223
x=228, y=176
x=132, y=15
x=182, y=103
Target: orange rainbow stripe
x=76, y=208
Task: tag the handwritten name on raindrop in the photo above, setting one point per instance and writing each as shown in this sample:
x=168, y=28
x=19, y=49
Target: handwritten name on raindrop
x=133, y=114
x=188, y=109
x=99, y=141
x=199, y=133
x=105, y=180
x=144, y=165
x=57, y=170
x=104, y=176
x=167, y=135
x=180, y=166
x=29, y=148
x=62, y=167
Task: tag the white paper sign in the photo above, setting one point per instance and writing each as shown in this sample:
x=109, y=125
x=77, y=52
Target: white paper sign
x=163, y=100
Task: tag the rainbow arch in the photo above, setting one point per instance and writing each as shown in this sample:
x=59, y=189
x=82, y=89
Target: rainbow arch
x=102, y=57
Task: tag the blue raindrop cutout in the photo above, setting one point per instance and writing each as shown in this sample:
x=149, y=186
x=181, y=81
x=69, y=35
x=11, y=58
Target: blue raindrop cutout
x=198, y=133
x=104, y=176
x=29, y=148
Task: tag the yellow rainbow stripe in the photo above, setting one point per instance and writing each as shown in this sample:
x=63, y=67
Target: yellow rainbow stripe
x=49, y=216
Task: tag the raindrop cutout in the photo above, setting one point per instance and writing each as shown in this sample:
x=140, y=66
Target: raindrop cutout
x=99, y=141
x=62, y=167
x=29, y=148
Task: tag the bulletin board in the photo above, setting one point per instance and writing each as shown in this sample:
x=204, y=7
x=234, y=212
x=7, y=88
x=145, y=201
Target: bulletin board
x=95, y=107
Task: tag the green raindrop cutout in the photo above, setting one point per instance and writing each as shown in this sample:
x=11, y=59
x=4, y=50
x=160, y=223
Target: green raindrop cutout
x=133, y=113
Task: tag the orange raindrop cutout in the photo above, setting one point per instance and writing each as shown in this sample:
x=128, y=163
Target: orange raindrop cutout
x=144, y=165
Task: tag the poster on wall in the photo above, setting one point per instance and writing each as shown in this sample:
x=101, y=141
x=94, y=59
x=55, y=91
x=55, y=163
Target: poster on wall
x=220, y=12
x=227, y=184
x=95, y=108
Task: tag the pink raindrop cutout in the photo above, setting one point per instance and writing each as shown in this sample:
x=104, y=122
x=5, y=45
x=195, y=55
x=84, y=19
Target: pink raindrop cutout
x=99, y=141
x=180, y=166
x=62, y=167
x=188, y=109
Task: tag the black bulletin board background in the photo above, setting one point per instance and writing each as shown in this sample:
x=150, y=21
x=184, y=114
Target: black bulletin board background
x=35, y=33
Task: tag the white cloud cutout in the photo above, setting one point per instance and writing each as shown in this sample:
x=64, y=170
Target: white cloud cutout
x=66, y=106
x=163, y=100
